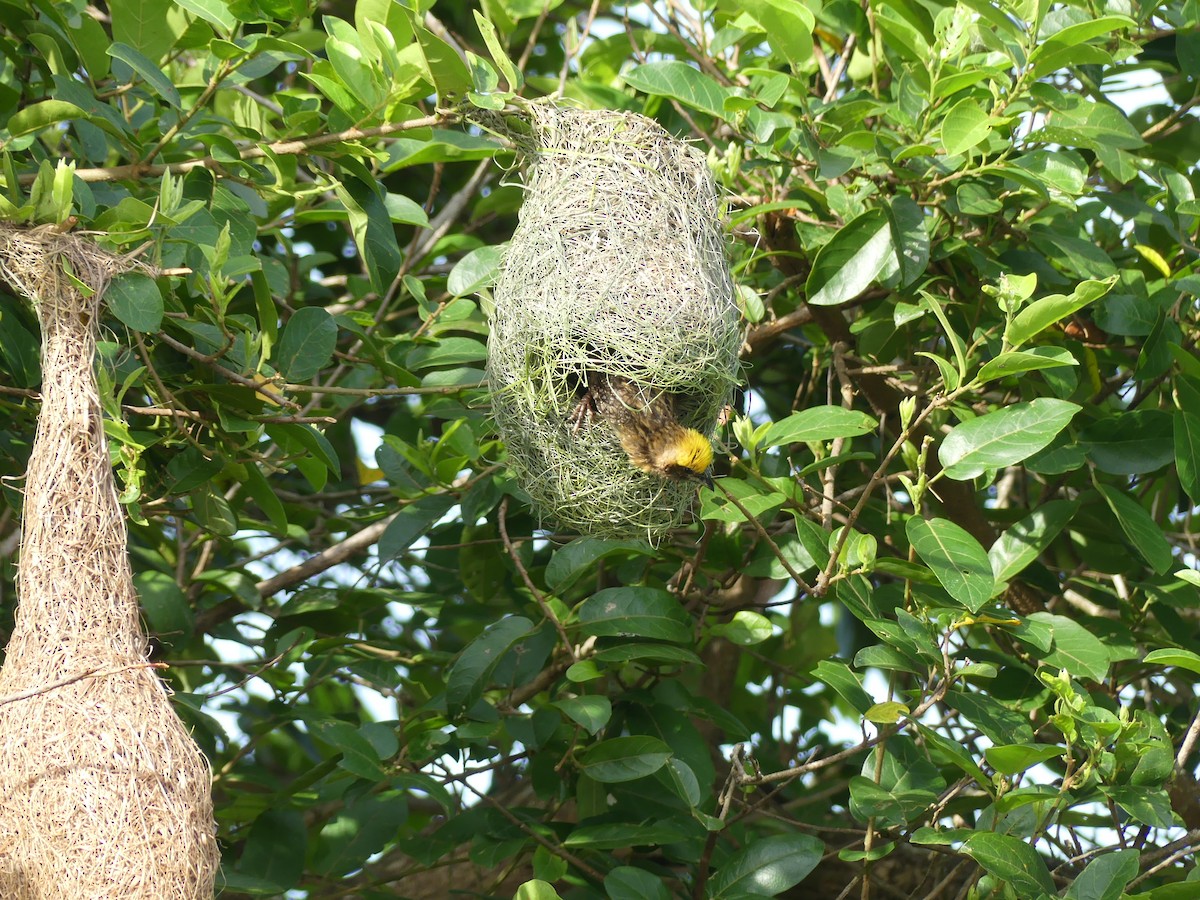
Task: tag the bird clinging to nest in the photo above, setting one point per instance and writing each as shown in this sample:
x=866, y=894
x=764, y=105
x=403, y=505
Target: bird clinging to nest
x=647, y=427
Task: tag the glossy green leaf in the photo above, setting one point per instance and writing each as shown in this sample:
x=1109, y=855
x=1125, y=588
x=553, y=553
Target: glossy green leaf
x=788, y=26
x=818, y=423
x=37, y=116
x=477, y=270
x=469, y=675
x=635, y=612
x=960, y=564
x=216, y=12
x=590, y=711
x=965, y=126
x=306, y=344
x=629, y=883
x=1187, y=451
x=1012, y=759
x=536, y=890
x=135, y=299
x=1143, y=532
x=1130, y=443
x=852, y=259
x=1023, y=542
x=149, y=72
x=746, y=628
x=1013, y=861
x=1018, y=362
x=1039, y=315
x=624, y=758
x=767, y=867
x=1075, y=648
x=1003, y=437
x=1105, y=877
x=1168, y=656
x=679, y=81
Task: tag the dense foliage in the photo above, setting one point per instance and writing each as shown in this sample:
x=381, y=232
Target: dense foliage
x=934, y=633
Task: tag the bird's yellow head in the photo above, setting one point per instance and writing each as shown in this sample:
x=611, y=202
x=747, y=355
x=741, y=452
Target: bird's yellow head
x=688, y=457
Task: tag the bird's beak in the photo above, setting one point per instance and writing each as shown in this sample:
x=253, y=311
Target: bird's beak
x=707, y=476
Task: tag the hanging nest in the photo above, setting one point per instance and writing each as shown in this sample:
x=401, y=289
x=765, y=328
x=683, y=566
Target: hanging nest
x=103, y=794
x=617, y=267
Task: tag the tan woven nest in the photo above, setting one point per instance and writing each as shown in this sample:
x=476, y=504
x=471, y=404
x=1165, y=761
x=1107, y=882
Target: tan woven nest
x=103, y=793
x=617, y=267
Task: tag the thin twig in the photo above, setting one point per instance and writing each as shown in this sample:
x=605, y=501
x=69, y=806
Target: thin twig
x=63, y=682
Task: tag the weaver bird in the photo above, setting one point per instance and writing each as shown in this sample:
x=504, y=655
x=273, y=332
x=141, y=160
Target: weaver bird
x=648, y=429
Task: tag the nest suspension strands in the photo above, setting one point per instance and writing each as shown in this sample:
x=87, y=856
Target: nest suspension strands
x=615, y=294
x=103, y=793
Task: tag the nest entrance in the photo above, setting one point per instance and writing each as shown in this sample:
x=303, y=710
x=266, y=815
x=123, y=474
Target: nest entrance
x=617, y=267
x=103, y=794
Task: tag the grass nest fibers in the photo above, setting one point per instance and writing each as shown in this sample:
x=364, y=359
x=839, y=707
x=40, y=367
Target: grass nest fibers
x=103, y=793
x=617, y=267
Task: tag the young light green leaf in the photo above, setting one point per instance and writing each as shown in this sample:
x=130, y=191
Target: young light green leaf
x=679, y=81
x=1041, y=314
x=851, y=260
x=536, y=890
x=965, y=125
x=746, y=628
x=773, y=863
x=499, y=56
x=956, y=558
x=818, y=423
x=1019, y=361
x=1011, y=759
x=1143, y=532
x=1003, y=437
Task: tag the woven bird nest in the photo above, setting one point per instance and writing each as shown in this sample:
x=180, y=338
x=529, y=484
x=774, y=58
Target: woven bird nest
x=617, y=267
x=103, y=794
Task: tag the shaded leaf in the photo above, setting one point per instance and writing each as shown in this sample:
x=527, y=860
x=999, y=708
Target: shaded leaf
x=767, y=866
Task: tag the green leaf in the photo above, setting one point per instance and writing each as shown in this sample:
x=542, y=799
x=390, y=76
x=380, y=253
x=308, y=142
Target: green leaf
x=681, y=82
x=275, y=848
x=635, y=612
x=443, y=66
x=852, y=259
x=1187, y=452
x=37, y=116
x=1041, y=314
x=1024, y=541
x=1013, y=861
x=788, y=26
x=1011, y=759
x=1003, y=437
x=624, y=758
x=1143, y=532
x=1105, y=877
x=307, y=343
x=745, y=629
x=592, y=712
x=510, y=72
x=845, y=682
x=477, y=270
x=1130, y=443
x=374, y=234
x=151, y=74
x=1075, y=648
x=818, y=423
x=135, y=299
x=470, y=674
x=536, y=890
x=1151, y=807
x=214, y=11
x=955, y=558
x=767, y=867
x=1169, y=656
x=167, y=610
x=628, y=883
x=1017, y=362
x=411, y=522
x=965, y=125
x=614, y=836
x=571, y=562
